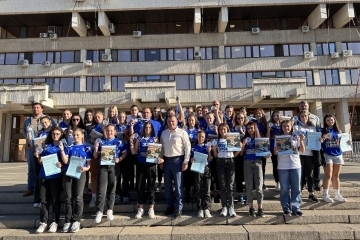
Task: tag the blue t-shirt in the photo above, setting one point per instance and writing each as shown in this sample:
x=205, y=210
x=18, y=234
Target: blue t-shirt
x=202, y=122
x=63, y=125
x=112, y=121
x=120, y=147
x=236, y=129
x=82, y=151
x=42, y=133
x=200, y=149
x=48, y=150
x=138, y=126
x=260, y=127
x=249, y=150
x=331, y=146
x=276, y=131
x=143, y=147
x=228, y=121
x=192, y=134
x=209, y=131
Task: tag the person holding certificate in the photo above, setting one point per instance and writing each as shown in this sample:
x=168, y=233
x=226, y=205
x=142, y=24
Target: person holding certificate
x=145, y=171
x=80, y=154
x=202, y=180
x=50, y=184
x=42, y=134
x=333, y=157
x=106, y=152
x=225, y=167
x=272, y=131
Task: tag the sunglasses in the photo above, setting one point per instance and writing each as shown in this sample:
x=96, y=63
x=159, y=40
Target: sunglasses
x=76, y=119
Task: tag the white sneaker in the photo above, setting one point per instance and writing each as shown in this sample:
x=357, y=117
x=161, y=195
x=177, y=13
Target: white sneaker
x=339, y=198
x=37, y=205
x=140, y=213
x=201, y=213
x=110, y=215
x=66, y=227
x=207, y=213
x=327, y=198
x=151, y=213
x=41, y=227
x=232, y=212
x=224, y=212
x=53, y=227
x=98, y=217
x=92, y=203
x=75, y=227
x=277, y=187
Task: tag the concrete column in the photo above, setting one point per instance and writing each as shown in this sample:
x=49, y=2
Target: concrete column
x=78, y=24
x=338, y=47
x=8, y=127
x=342, y=76
x=107, y=82
x=222, y=80
x=82, y=83
x=313, y=48
x=342, y=115
x=103, y=23
x=106, y=112
x=197, y=20
x=223, y=19
x=317, y=109
x=221, y=52
x=83, y=53
x=198, y=81
x=82, y=112
x=316, y=79
x=317, y=17
x=343, y=15
x=2, y=134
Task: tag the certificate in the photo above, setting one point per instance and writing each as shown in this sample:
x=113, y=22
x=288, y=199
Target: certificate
x=312, y=140
x=153, y=152
x=200, y=162
x=233, y=140
x=38, y=142
x=108, y=155
x=49, y=164
x=74, y=167
x=283, y=144
x=94, y=135
x=262, y=147
x=344, y=142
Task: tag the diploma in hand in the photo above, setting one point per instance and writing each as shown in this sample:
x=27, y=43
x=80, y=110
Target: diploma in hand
x=345, y=144
x=283, y=144
x=49, y=164
x=74, y=167
x=200, y=162
x=262, y=147
x=153, y=152
x=233, y=140
x=313, y=140
x=107, y=155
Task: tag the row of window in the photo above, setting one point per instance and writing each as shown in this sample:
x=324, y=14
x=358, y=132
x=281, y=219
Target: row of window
x=38, y=57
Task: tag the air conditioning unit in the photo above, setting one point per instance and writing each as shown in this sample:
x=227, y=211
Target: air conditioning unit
x=53, y=36
x=347, y=53
x=106, y=57
x=255, y=30
x=46, y=63
x=308, y=54
x=137, y=34
x=87, y=25
x=87, y=63
x=43, y=35
x=111, y=28
x=197, y=54
x=305, y=29
x=51, y=29
x=107, y=87
x=23, y=63
x=334, y=55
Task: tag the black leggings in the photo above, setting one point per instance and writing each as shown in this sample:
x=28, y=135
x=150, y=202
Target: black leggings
x=307, y=172
x=274, y=161
x=239, y=173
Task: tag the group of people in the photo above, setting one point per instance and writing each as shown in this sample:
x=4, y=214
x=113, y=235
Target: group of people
x=181, y=134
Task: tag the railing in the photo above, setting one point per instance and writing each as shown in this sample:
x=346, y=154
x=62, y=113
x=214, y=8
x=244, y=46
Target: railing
x=353, y=156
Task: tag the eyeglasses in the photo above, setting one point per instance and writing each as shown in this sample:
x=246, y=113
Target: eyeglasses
x=76, y=119
x=56, y=134
x=240, y=118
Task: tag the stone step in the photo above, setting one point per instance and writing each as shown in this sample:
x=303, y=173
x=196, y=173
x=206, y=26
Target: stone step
x=16, y=197
x=160, y=206
x=191, y=219
x=242, y=232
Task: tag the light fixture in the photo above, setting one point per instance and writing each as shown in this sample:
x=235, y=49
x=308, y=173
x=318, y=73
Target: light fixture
x=178, y=25
x=232, y=25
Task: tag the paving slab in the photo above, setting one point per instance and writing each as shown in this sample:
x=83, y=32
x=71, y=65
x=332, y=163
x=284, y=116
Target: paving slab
x=148, y=233
x=23, y=234
x=99, y=233
x=356, y=229
x=18, y=221
x=209, y=232
x=243, y=218
x=333, y=231
x=191, y=219
x=354, y=218
x=276, y=232
x=322, y=216
x=130, y=220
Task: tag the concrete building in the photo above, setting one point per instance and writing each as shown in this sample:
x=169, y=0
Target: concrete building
x=244, y=53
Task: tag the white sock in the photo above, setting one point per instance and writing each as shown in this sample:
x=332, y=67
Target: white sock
x=326, y=192
x=93, y=195
x=337, y=192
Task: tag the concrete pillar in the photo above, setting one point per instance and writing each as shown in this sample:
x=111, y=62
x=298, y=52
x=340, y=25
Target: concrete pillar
x=103, y=23
x=221, y=52
x=317, y=109
x=317, y=17
x=338, y=47
x=197, y=20
x=106, y=112
x=343, y=15
x=222, y=80
x=83, y=53
x=342, y=76
x=8, y=127
x=107, y=82
x=82, y=83
x=316, y=79
x=223, y=19
x=2, y=134
x=78, y=24
x=342, y=115
x=313, y=48
x=82, y=112
x=198, y=81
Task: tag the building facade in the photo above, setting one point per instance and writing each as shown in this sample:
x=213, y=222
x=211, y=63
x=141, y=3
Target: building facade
x=84, y=54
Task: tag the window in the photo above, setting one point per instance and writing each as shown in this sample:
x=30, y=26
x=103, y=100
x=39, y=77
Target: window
x=94, y=55
x=185, y=82
x=152, y=55
x=295, y=49
x=209, y=53
x=307, y=74
x=118, y=83
x=67, y=57
x=329, y=77
x=38, y=57
x=95, y=84
x=352, y=76
x=325, y=48
x=267, y=51
x=354, y=46
x=210, y=81
x=124, y=56
x=180, y=54
x=11, y=58
x=238, y=80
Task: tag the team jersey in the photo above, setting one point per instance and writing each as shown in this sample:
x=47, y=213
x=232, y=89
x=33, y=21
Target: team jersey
x=276, y=131
x=210, y=131
x=81, y=151
x=48, y=150
x=201, y=149
x=120, y=147
x=228, y=121
x=192, y=134
x=42, y=133
x=331, y=144
x=63, y=125
x=249, y=150
x=202, y=122
x=143, y=147
x=139, y=124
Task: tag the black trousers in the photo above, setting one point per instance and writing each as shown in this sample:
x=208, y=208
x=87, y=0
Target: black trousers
x=214, y=175
x=188, y=179
x=145, y=182
x=106, y=187
x=239, y=173
x=50, y=193
x=307, y=172
x=263, y=165
x=127, y=172
x=160, y=173
x=74, y=189
x=202, y=188
x=274, y=160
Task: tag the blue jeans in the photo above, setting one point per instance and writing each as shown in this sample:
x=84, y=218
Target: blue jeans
x=290, y=178
x=172, y=172
x=33, y=174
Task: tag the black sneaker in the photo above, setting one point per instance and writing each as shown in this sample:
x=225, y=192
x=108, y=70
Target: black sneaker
x=317, y=187
x=169, y=211
x=252, y=212
x=260, y=213
x=177, y=214
x=297, y=213
x=313, y=198
x=287, y=213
